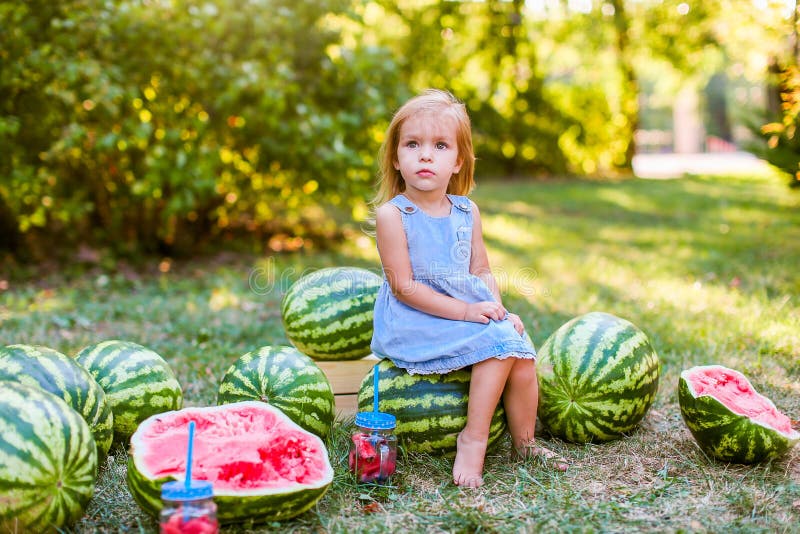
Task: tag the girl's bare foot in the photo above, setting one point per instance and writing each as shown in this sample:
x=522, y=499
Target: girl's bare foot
x=468, y=465
x=530, y=450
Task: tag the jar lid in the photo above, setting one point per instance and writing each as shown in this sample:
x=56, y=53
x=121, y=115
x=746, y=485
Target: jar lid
x=376, y=420
x=176, y=490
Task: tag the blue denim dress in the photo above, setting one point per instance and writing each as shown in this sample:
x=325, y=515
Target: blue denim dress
x=440, y=250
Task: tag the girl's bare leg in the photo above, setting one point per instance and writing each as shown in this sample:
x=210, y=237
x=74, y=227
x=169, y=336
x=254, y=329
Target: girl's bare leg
x=486, y=386
x=521, y=401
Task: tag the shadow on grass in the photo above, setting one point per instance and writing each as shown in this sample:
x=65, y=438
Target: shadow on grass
x=692, y=226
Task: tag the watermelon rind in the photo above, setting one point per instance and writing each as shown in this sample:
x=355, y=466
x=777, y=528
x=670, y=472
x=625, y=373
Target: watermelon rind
x=285, y=378
x=256, y=505
x=43, y=367
x=327, y=314
x=137, y=381
x=48, y=460
x=430, y=409
x=725, y=435
x=598, y=376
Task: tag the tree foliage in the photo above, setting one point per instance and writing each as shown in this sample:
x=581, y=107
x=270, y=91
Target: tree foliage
x=779, y=122
x=160, y=125
x=781, y=135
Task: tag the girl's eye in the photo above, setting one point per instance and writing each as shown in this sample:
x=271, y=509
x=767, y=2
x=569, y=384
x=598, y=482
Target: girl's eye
x=411, y=144
x=441, y=145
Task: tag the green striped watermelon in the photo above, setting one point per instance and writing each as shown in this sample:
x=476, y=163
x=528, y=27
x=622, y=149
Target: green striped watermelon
x=263, y=466
x=285, y=378
x=598, y=376
x=729, y=419
x=61, y=375
x=137, y=381
x=327, y=314
x=48, y=460
x=430, y=409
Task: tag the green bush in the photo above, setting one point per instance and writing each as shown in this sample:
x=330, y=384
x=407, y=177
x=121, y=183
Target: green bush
x=148, y=126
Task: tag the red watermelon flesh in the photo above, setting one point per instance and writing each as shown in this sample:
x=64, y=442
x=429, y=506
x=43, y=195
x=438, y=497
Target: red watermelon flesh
x=231, y=451
x=733, y=390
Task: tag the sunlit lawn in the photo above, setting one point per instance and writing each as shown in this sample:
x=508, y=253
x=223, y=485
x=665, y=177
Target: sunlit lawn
x=707, y=267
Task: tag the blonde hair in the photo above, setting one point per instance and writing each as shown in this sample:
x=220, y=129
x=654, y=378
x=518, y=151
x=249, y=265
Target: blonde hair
x=433, y=102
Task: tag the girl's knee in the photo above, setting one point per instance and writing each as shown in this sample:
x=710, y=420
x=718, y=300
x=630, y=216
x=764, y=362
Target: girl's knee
x=523, y=368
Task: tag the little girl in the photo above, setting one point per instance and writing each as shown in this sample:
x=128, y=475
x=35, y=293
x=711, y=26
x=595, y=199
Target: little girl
x=439, y=308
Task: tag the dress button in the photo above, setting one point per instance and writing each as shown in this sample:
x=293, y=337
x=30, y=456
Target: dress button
x=409, y=209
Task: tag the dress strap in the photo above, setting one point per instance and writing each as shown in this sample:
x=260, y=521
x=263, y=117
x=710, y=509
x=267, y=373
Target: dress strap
x=461, y=202
x=403, y=204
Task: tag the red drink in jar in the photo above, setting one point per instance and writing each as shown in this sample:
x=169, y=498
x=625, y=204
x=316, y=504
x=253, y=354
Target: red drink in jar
x=373, y=447
x=188, y=509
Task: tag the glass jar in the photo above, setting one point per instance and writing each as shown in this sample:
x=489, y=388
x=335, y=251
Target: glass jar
x=188, y=510
x=373, y=447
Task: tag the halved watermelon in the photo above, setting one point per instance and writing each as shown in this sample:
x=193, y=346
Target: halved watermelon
x=263, y=466
x=729, y=419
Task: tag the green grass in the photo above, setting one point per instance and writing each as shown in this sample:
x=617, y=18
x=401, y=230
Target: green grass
x=707, y=267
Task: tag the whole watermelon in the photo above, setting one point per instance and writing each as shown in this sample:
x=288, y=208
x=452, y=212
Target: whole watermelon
x=285, y=378
x=430, y=409
x=598, y=376
x=729, y=419
x=327, y=314
x=64, y=377
x=138, y=382
x=263, y=466
x=48, y=461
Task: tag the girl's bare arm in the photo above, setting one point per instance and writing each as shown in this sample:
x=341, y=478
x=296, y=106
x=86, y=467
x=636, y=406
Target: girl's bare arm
x=479, y=261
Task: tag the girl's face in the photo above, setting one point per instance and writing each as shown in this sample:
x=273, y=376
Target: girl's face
x=427, y=152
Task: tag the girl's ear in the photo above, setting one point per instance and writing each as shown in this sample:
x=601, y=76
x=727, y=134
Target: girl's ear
x=396, y=164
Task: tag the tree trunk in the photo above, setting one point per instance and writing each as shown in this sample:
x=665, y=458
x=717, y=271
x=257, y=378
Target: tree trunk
x=774, y=70
x=629, y=106
x=10, y=236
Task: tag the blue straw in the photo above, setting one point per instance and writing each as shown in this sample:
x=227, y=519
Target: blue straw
x=189, y=453
x=375, y=374
x=188, y=481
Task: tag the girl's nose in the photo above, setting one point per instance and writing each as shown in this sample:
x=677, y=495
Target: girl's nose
x=425, y=154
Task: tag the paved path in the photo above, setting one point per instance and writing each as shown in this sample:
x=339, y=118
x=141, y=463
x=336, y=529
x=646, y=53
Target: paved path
x=676, y=165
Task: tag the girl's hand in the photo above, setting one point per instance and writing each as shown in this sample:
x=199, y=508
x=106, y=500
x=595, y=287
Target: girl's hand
x=517, y=322
x=483, y=312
